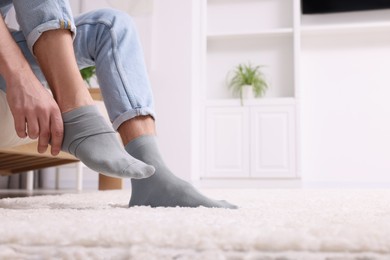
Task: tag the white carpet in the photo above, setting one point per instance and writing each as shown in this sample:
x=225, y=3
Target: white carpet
x=271, y=224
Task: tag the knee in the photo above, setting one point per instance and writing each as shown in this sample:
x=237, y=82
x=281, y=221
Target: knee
x=117, y=20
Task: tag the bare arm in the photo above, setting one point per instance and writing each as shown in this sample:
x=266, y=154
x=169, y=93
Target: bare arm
x=35, y=111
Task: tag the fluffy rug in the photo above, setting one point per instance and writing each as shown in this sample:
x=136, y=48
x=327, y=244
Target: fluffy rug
x=271, y=224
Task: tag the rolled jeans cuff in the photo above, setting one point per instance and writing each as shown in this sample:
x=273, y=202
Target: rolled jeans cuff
x=38, y=16
x=34, y=35
x=143, y=111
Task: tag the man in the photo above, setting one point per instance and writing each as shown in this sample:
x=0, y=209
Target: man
x=52, y=46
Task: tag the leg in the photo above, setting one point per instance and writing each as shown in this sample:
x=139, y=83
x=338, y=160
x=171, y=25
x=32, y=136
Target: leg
x=86, y=133
x=54, y=52
x=163, y=189
x=127, y=94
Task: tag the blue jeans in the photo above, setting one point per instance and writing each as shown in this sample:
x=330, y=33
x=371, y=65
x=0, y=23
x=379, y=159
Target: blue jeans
x=104, y=38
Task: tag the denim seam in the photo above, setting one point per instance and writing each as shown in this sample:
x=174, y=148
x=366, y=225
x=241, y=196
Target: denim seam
x=120, y=70
x=116, y=58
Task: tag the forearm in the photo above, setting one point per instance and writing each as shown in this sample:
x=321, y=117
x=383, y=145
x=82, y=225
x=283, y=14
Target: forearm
x=12, y=61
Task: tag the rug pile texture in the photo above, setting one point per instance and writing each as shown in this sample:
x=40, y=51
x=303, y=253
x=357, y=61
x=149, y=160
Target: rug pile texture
x=270, y=224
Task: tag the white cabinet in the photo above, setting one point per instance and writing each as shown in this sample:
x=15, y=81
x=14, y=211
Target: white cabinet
x=227, y=150
x=250, y=142
x=272, y=136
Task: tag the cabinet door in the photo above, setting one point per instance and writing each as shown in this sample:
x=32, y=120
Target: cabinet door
x=273, y=142
x=226, y=148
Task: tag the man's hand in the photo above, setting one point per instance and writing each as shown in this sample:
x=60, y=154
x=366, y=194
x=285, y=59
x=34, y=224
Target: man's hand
x=35, y=111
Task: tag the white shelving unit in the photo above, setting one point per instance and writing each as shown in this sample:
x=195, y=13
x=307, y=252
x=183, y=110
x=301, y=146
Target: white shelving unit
x=259, y=33
x=346, y=27
x=257, y=141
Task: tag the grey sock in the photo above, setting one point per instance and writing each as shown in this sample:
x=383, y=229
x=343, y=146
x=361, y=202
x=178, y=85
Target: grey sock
x=163, y=189
x=89, y=137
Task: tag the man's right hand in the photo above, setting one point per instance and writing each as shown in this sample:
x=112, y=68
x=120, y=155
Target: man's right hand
x=35, y=112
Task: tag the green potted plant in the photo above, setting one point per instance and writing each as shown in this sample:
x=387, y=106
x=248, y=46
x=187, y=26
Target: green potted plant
x=87, y=73
x=247, y=81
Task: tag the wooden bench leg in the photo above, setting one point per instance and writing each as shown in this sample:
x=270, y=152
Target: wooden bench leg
x=110, y=183
x=30, y=181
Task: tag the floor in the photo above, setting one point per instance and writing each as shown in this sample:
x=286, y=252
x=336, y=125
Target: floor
x=272, y=224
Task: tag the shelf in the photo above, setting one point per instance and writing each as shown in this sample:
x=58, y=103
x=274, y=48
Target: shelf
x=346, y=22
x=232, y=15
x=261, y=33
x=345, y=28
x=235, y=102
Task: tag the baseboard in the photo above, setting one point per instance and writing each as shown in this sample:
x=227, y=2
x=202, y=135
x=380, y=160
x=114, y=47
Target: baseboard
x=344, y=185
x=249, y=183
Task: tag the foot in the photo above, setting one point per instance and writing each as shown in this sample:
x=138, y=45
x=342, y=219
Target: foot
x=164, y=189
x=88, y=137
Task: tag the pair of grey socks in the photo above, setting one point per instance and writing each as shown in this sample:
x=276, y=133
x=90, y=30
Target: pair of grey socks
x=89, y=137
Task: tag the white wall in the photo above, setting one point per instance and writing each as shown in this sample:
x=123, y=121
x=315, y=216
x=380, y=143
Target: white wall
x=346, y=105
x=172, y=81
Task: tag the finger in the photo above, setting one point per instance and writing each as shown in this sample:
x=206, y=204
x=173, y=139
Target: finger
x=44, y=134
x=57, y=132
x=32, y=127
x=20, y=126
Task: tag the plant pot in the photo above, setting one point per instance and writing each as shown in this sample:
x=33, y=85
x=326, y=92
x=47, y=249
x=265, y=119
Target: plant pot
x=247, y=92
